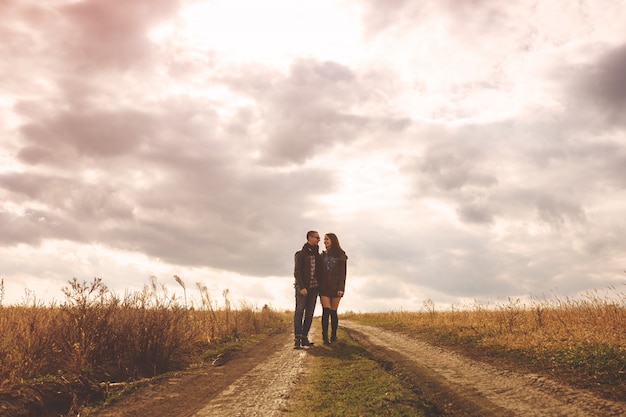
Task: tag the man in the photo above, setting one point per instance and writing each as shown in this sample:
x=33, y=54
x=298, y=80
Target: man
x=308, y=272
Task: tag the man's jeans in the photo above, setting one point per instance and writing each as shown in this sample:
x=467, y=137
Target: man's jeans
x=305, y=307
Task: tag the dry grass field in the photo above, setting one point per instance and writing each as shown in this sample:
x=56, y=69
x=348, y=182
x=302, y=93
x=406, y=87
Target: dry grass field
x=97, y=334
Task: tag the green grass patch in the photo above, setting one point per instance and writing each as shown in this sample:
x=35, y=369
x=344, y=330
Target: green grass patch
x=345, y=381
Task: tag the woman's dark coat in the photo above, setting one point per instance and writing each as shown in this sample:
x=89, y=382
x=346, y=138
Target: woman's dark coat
x=336, y=268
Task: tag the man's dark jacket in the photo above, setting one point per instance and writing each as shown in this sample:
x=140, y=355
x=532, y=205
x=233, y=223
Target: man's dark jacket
x=302, y=267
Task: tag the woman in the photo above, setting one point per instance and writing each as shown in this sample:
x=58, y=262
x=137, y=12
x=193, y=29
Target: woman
x=333, y=285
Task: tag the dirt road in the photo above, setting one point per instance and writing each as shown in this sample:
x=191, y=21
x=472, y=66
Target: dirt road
x=462, y=387
x=258, y=382
x=264, y=391
x=252, y=382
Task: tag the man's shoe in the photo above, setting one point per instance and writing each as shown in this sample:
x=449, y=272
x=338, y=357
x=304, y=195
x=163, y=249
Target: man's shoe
x=326, y=342
x=297, y=342
x=306, y=342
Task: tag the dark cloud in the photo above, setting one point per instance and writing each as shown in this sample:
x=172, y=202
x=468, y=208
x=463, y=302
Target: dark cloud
x=92, y=134
x=452, y=161
x=475, y=213
x=103, y=33
x=609, y=81
x=454, y=169
x=193, y=214
x=600, y=87
x=555, y=211
x=26, y=229
x=33, y=226
x=75, y=38
x=583, y=164
x=310, y=110
x=59, y=207
x=601, y=244
x=224, y=219
x=80, y=200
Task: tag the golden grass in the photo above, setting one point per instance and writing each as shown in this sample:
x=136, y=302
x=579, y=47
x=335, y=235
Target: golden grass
x=96, y=333
x=580, y=340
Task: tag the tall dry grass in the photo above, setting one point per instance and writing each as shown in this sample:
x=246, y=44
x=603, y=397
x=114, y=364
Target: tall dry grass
x=108, y=337
x=582, y=339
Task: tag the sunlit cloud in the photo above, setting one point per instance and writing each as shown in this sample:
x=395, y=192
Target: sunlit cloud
x=274, y=31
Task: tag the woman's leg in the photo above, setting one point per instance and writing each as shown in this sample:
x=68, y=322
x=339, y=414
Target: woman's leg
x=334, y=318
x=325, y=301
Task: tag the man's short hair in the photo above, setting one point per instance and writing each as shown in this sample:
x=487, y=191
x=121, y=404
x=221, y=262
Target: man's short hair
x=310, y=233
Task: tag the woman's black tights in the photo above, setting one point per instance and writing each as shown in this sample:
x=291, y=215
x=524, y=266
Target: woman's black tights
x=325, y=315
x=334, y=323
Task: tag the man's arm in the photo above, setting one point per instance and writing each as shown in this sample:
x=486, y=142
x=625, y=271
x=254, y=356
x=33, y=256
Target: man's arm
x=297, y=273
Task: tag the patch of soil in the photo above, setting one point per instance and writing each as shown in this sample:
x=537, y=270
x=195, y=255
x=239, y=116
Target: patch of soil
x=52, y=397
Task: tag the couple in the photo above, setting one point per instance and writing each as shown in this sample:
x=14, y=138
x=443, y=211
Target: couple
x=318, y=274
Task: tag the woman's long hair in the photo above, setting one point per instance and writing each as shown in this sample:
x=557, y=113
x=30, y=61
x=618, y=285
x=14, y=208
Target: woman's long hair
x=335, y=247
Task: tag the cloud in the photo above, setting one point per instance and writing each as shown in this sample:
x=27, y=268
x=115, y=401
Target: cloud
x=478, y=16
x=459, y=150
x=308, y=110
x=98, y=134
x=602, y=84
x=102, y=33
x=454, y=166
x=176, y=195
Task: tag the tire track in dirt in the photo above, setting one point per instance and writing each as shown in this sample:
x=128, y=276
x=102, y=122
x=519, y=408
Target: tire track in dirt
x=264, y=391
x=474, y=388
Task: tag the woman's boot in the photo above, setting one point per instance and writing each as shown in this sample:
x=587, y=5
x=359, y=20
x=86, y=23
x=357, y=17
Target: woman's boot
x=325, y=314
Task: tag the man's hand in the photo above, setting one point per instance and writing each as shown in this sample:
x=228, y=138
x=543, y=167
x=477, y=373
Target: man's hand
x=303, y=291
x=339, y=293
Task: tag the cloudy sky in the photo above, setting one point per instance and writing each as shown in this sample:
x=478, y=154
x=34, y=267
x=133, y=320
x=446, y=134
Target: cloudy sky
x=462, y=150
